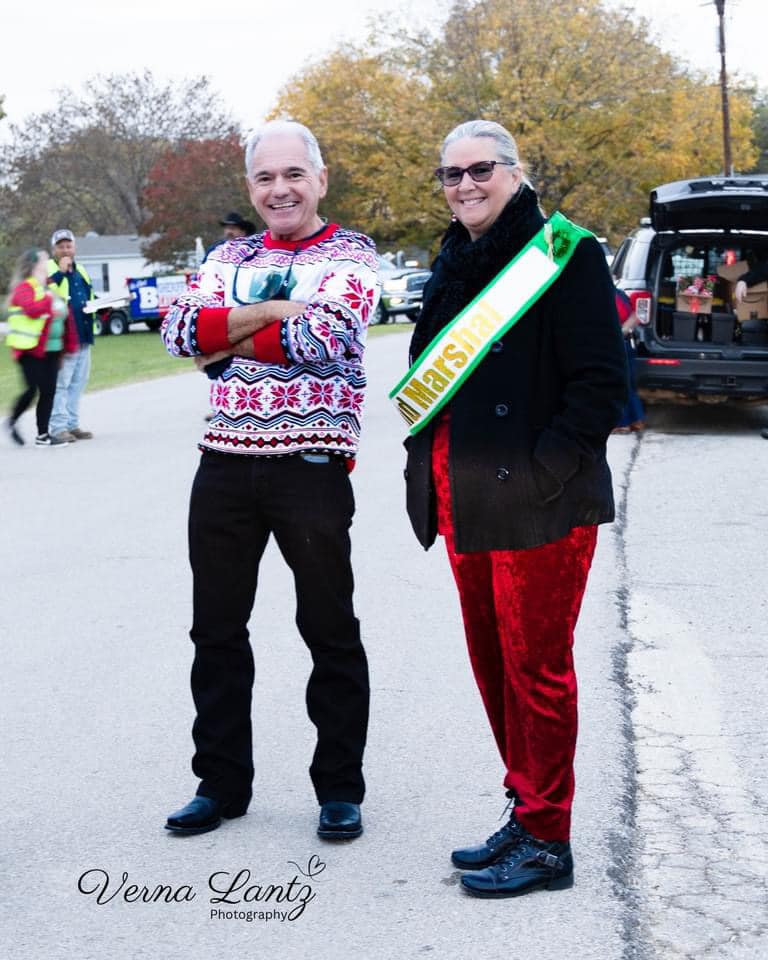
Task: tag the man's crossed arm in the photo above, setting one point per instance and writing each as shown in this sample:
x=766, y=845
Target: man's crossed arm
x=243, y=322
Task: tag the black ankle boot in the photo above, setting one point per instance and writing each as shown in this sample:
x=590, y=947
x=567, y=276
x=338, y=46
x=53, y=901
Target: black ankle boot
x=530, y=865
x=499, y=843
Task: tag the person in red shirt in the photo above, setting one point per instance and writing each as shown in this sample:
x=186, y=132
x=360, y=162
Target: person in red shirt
x=40, y=332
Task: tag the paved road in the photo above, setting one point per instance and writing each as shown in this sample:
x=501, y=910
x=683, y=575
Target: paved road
x=694, y=602
x=97, y=713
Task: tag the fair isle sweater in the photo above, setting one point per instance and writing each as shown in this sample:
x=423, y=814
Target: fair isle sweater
x=304, y=390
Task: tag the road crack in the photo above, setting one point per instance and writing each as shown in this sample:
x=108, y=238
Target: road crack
x=624, y=870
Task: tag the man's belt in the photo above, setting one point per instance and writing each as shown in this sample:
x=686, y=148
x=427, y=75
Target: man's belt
x=447, y=362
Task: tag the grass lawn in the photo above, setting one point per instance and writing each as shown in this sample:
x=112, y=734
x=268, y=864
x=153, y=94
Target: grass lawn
x=129, y=359
x=126, y=359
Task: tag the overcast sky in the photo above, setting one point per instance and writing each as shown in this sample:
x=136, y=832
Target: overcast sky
x=251, y=49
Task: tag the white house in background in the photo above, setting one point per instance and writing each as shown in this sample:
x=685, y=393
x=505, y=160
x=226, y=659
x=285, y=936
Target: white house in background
x=111, y=258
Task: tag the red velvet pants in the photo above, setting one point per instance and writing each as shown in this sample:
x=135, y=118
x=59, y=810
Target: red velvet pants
x=520, y=609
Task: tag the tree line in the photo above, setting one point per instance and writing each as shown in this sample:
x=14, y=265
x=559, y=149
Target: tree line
x=600, y=112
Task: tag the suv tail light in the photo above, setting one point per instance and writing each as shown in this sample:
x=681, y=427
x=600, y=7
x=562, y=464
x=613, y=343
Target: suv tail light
x=641, y=304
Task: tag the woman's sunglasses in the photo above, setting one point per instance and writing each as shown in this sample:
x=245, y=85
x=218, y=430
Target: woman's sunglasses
x=479, y=172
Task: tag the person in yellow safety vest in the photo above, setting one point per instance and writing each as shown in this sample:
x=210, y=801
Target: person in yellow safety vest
x=74, y=285
x=39, y=333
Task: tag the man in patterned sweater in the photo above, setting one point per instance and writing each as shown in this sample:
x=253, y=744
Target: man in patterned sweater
x=278, y=320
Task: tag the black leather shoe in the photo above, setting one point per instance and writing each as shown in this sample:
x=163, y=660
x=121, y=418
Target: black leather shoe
x=202, y=814
x=530, y=865
x=339, y=820
x=499, y=843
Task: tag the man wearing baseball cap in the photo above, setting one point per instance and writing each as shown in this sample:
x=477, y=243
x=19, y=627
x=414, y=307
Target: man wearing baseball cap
x=73, y=285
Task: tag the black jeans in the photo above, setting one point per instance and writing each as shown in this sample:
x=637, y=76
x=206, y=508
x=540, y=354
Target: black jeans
x=40, y=375
x=237, y=502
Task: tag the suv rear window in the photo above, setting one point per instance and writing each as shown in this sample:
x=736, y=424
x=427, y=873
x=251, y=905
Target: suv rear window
x=703, y=259
x=688, y=257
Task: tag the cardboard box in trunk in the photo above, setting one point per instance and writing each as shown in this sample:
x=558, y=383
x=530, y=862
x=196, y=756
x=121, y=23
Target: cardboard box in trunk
x=732, y=271
x=755, y=305
x=693, y=303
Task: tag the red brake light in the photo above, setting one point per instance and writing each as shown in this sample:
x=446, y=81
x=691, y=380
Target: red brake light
x=664, y=363
x=641, y=304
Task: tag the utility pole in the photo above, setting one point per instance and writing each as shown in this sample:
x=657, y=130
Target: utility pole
x=727, y=160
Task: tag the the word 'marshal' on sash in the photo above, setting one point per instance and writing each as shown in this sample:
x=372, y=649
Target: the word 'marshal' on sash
x=454, y=353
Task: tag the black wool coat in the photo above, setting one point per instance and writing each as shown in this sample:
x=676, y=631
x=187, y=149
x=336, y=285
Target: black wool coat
x=528, y=429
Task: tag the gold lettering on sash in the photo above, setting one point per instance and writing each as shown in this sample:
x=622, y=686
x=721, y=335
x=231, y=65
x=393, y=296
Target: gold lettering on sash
x=440, y=365
x=435, y=380
x=485, y=320
x=409, y=413
x=448, y=361
x=457, y=357
x=420, y=394
x=466, y=338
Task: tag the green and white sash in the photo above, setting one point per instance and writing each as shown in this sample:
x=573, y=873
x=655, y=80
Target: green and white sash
x=447, y=362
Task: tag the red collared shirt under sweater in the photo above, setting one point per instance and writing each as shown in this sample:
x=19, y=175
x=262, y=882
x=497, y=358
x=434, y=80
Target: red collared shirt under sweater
x=304, y=389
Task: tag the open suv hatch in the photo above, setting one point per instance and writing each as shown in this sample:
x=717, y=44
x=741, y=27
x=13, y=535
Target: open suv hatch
x=695, y=347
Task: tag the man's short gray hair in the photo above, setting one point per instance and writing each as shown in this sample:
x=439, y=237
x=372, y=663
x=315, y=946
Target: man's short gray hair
x=503, y=141
x=284, y=126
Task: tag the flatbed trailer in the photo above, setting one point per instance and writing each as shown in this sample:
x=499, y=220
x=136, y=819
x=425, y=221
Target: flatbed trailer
x=146, y=300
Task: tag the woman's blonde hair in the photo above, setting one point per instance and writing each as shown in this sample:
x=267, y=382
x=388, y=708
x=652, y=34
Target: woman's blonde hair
x=24, y=266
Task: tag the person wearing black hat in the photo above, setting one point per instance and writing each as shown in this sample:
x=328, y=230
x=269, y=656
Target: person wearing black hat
x=236, y=226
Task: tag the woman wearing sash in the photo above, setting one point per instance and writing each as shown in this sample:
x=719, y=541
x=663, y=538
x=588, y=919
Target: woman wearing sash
x=512, y=473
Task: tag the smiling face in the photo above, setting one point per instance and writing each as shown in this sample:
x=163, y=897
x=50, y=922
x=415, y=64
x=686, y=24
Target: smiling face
x=284, y=187
x=478, y=205
x=64, y=248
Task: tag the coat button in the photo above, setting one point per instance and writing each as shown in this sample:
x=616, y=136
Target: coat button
x=497, y=346
x=501, y=410
x=502, y=473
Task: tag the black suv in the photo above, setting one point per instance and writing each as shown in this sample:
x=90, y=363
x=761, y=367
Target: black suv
x=695, y=346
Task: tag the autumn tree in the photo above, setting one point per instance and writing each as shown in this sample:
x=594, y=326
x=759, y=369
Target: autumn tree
x=189, y=189
x=760, y=129
x=376, y=132
x=85, y=163
x=600, y=112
